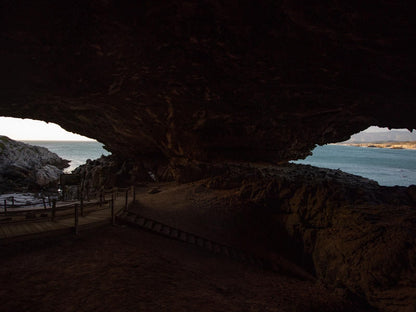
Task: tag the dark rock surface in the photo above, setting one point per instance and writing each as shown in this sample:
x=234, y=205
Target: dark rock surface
x=207, y=81
x=349, y=231
x=23, y=166
x=111, y=171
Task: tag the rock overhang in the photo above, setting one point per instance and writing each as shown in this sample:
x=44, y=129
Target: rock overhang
x=208, y=81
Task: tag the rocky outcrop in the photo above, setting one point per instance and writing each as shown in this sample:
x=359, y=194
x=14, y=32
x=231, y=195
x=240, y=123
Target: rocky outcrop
x=110, y=171
x=349, y=231
x=23, y=166
x=208, y=81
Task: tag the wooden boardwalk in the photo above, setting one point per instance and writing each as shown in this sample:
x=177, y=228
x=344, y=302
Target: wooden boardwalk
x=18, y=231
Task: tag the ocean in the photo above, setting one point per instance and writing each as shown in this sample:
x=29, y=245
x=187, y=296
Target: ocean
x=386, y=166
x=76, y=151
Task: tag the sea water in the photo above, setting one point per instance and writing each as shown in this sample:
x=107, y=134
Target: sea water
x=388, y=167
x=76, y=151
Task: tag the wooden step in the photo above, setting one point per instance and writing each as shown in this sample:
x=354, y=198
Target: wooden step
x=225, y=250
x=191, y=239
x=165, y=230
x=157, y=227
x=149, y=224
x=200, y=242
x=208, y=245
x=140, y=221
x=130, y=218
x=174, y=233
x=183, y=236
x=216, y=248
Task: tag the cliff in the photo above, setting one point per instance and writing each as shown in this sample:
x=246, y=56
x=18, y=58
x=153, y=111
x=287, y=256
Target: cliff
x=23, y=166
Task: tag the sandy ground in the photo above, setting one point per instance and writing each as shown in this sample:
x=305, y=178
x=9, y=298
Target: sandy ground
x=127, y=269
x=197, y=209
x=213, y=214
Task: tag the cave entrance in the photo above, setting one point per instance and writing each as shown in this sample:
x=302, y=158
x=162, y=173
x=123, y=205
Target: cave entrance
x=386, y=156
x=67, y=145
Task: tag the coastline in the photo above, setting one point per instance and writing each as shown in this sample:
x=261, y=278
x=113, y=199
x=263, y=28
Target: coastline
x=411, y=145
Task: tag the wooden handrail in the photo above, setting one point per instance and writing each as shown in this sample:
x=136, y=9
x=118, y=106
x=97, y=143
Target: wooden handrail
x=54, y=206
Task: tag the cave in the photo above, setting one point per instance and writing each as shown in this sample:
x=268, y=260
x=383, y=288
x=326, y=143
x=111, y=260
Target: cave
x=212, y=89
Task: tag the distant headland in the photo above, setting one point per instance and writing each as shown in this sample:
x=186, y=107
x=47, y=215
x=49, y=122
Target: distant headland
x=393, y=139
x=392, y=145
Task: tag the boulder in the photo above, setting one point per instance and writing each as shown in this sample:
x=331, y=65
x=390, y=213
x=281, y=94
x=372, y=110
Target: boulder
x=23, y=166
x=47, y=174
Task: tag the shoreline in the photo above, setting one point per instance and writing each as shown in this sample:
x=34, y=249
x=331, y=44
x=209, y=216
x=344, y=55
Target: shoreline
x=410, y=145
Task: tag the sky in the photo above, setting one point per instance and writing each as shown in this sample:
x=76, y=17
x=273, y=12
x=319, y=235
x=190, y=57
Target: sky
x=28, y=129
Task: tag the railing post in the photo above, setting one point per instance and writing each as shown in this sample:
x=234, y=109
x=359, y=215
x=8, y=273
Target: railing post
x=44, y=202
x=12, y=201
x=53, y=209
x=5, y=208
x=113, y=219
x=134, y=193
x=82, y=202
x=127, y=198
x=76, y=220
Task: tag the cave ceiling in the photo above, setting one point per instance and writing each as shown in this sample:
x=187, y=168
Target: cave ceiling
x=210, y=80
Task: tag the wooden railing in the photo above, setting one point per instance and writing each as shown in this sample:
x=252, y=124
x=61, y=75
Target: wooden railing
x=14, y=203
x=99, y=199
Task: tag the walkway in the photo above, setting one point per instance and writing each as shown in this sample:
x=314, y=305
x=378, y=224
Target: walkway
x=94, y=217
x=134, y=219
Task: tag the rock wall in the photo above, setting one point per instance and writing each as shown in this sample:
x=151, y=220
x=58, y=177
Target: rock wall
x=23, y=166
x=349, y=231
x=208, y=81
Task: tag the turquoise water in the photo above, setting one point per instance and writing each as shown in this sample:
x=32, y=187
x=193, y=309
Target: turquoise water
x=386, y=166
x=76, y=151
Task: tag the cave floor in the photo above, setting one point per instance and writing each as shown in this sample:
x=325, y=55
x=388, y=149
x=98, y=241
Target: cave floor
x=126, y=269
x=212, y=214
